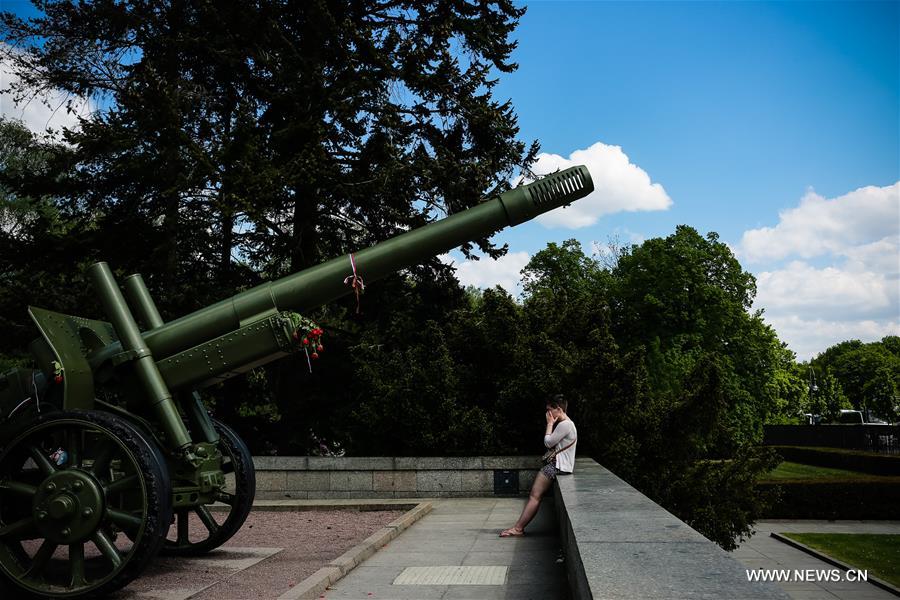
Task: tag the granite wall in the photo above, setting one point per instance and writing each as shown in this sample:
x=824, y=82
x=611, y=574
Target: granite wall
x=621, y=544
x=315, y=477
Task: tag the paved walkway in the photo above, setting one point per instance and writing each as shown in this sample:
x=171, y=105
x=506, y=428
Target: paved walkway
x=463, y=532
x=765, y=552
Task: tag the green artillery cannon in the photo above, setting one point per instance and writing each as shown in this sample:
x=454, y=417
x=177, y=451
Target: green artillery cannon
x=107, y=453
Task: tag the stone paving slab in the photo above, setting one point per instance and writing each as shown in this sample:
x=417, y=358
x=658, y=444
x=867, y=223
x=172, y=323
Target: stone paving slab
x=765, y=552
x=452, y=575
x=208, y=571
x=464, y=532
x=522, y=558
x=407, y=557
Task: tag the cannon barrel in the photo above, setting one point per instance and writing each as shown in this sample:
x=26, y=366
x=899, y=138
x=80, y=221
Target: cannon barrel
x=323, y=283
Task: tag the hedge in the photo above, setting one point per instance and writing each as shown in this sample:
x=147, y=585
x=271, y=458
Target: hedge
x=817, y=499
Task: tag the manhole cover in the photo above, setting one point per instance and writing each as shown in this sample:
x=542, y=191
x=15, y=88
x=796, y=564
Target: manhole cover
x=452, y=576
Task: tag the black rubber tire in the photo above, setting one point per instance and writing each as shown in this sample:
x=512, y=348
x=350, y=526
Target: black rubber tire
x=155, y=475
x=234, y=449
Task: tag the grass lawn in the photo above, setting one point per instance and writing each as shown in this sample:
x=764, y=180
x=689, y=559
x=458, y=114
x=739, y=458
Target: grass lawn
x=788, y=471
x=879, y=554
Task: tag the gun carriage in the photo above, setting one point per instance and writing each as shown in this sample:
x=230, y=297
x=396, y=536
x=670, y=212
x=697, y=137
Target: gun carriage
x=107, y=452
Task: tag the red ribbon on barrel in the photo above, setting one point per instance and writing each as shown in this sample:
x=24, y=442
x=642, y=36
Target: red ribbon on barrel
x=355, y=282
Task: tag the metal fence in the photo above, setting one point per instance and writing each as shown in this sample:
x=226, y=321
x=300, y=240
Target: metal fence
x=884, y=439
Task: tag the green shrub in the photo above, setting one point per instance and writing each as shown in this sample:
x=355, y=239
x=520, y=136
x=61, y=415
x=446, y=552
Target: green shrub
x=830, y=499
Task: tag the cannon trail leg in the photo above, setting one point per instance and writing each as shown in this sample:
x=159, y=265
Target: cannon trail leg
x=203, y=528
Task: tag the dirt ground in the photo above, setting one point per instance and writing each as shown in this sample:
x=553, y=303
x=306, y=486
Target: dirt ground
x=273, y=552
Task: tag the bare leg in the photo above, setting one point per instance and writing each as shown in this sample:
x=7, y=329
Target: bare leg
x=541, y=484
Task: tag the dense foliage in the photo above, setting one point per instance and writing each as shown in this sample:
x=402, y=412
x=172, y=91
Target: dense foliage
x=868, y=374
x=847, y=375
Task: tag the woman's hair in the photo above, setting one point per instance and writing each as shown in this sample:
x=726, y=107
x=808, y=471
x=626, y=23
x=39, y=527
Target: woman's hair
x=558, y=401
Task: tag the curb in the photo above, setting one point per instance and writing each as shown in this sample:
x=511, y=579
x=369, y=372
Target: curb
x=318, y=582
x=835, y=562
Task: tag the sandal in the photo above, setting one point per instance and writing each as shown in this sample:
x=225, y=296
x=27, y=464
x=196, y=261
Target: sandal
x=511, y=532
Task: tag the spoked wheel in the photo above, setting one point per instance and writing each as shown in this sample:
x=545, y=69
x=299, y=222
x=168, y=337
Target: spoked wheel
x=70, y=483
x=198, y=530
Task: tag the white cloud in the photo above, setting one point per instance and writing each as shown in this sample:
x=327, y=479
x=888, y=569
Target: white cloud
x=487, y=272
x=809, y=337
x=820, y=226
x=843, y=278
x=43, y=111
x=832, y=292
x=619, y=186
x=882, y=256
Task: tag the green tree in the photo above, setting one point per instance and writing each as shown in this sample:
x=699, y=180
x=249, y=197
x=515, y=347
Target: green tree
x=891, y=343
x=410, y=402
x=685, y=298
x=559, y=272
x=683, y=285
x=879, y=393
x=38, y=237
x=868, y=374
x=789, y=388
x=825, y=397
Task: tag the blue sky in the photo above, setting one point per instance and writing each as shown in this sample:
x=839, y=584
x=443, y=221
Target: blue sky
x=739, y=110
x=735, y=108
x=776, y=125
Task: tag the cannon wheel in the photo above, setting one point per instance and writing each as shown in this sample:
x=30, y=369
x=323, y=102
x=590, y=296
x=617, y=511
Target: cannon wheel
x=60, y=516
x=199, y=530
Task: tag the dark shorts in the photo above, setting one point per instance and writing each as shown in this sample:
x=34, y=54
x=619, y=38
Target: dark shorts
x=550, y=471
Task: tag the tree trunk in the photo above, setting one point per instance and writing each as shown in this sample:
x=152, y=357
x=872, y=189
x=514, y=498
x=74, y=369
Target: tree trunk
x=303, y=243
x=169, y=247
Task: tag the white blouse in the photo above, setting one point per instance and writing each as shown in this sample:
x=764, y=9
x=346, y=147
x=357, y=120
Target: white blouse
x=564, y=434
